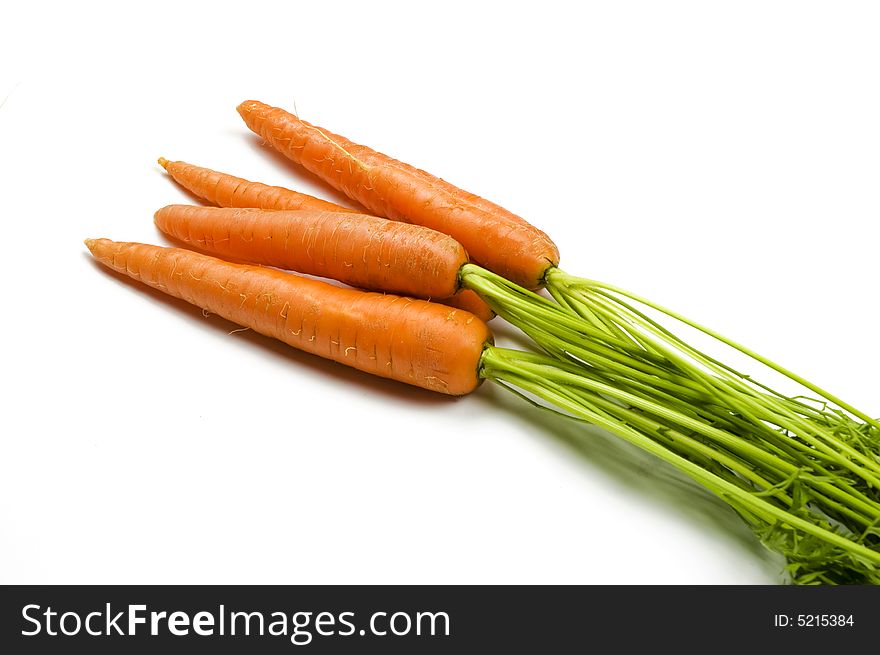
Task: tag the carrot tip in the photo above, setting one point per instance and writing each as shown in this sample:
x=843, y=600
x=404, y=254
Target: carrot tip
x=164, y=163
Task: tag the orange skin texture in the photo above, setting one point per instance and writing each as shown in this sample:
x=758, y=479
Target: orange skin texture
x=227, y=190
x=413, y=341
x=494, y=237
x=470, y=301
x=361, y=250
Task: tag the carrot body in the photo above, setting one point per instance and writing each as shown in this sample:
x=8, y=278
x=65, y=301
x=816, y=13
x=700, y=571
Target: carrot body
x=470, y=301
x=413, y=341
x=360, y=250
x=494, y=237
x=229, y=191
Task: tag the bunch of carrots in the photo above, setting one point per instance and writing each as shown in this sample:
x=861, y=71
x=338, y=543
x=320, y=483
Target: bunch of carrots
x=428, y=264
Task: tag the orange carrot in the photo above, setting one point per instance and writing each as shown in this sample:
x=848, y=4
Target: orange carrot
x=229, y=191
x=494, y=237
x=413, y=341
x=360, y=250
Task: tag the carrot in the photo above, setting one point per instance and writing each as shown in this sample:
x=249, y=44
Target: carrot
x=470, y=301
x=413, y=341
x=229, y=191
x=494, y=237
x=360, y=250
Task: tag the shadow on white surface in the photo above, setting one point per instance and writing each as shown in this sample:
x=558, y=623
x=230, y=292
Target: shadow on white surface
x=640, y=473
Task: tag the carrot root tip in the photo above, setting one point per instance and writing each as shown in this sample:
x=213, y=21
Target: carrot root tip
x=164, y=163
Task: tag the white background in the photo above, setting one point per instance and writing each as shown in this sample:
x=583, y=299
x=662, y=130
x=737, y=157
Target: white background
x=721, y=158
